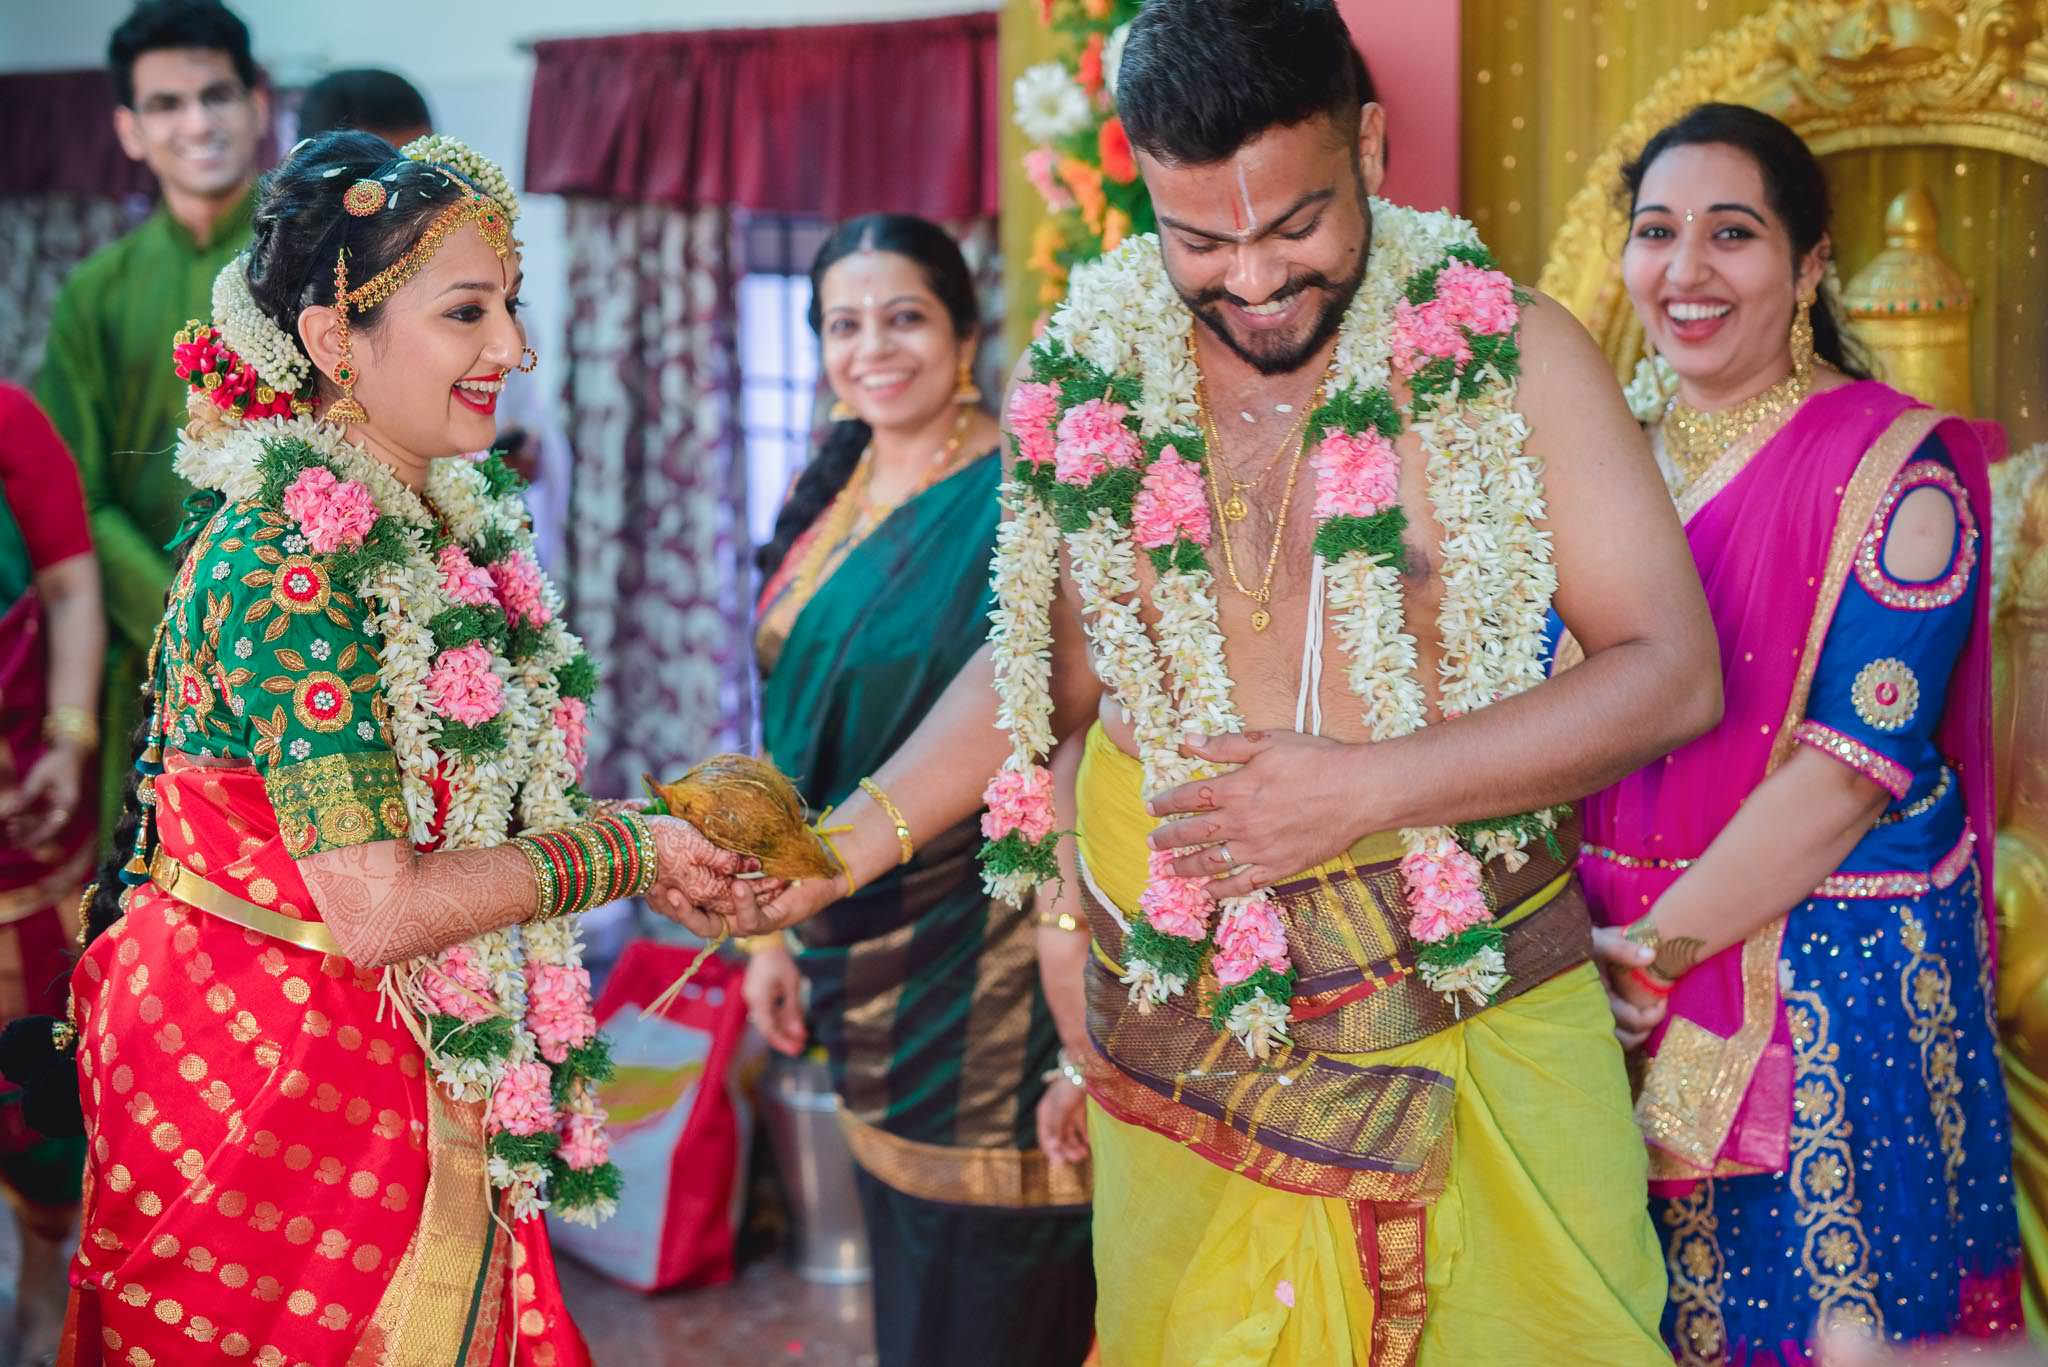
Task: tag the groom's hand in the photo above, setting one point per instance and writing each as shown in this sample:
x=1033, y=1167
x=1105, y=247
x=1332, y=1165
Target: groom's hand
x=1285, y=809
x=778, y=908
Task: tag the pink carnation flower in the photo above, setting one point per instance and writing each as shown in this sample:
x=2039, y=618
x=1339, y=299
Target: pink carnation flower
x=585, y=1144
x=572, y=719
x=1041, y=168
x=1444, y=896
x=558, y=1009
x=1478, y=299
x=1018, y=800
x=333, y=513
x=1356, y=476
x=462, y=687
x=519, y=589
x=1092, y=438
x=465, y=581
x=1248, y=939
x=1173, y=905
x=1171, y=503
x=524, y=1102
x=1033, y=410
x=455, y=984
x=1426, y=333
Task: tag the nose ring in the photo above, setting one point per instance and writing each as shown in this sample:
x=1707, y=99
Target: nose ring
x=528, y=360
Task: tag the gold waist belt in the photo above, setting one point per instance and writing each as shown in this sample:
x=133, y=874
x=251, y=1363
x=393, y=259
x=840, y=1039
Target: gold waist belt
x=195, y=891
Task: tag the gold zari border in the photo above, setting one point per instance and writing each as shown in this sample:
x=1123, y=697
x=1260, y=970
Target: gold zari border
x=1009, y=1179
x=194, y=891
x=445, y=1298
x=1694, y=1086
x=334, y=802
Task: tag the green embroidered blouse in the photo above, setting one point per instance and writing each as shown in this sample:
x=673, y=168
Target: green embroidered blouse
x=263, y=658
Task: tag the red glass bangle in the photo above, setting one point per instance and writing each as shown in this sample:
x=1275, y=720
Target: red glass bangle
x=1656, y=987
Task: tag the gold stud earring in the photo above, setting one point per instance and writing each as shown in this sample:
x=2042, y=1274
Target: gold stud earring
x=344, y=409
x=529, y=360
x=966, y=391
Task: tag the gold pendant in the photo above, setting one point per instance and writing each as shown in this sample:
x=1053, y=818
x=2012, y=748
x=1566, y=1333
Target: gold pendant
x=1236, y=509
x=1261, y=619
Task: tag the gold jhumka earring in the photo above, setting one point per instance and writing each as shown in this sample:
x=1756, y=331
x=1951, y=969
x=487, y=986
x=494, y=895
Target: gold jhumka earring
x=345, y=409
x=966, y=391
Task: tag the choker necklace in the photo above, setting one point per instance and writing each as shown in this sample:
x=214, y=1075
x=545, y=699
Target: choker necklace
x=1695, y=439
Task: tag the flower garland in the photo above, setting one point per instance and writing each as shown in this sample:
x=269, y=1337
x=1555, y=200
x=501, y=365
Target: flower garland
x=1109, y=456
x=487, y=693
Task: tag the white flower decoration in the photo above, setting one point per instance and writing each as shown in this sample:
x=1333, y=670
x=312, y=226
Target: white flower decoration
x=1050, y=103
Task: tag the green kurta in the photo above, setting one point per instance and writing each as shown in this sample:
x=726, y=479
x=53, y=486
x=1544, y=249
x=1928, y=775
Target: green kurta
x=108, y=385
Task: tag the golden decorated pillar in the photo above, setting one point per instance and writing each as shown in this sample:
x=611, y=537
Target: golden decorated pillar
x=1911, y=307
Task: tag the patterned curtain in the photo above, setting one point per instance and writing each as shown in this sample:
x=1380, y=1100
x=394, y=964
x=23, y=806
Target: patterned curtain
x=42, y=236
x=657, y=544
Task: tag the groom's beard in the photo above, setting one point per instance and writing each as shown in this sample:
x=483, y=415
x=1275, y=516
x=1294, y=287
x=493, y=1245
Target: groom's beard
x=1280, y=355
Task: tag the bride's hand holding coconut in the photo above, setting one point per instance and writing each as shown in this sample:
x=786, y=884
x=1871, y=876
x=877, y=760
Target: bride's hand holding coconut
x=697, y=883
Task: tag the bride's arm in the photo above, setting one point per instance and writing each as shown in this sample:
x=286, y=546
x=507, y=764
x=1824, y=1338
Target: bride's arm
x=386, y=902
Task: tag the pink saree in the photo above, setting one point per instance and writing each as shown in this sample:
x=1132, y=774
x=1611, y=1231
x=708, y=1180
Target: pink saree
x=1773, y=528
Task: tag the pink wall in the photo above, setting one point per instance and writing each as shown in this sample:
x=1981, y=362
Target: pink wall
x=1412, y=48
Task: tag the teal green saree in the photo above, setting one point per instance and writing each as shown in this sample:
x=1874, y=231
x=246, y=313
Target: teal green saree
x=923, y=991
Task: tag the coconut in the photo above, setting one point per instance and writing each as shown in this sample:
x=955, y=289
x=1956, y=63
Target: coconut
x=744, y=804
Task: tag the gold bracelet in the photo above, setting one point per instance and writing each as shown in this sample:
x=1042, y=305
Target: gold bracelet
x=750, y=945
x=1063, y=920
x=65, y=723
x=904, y=844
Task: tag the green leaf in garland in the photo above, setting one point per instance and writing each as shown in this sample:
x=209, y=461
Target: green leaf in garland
x=1378, y=535
x=483, y=1041
x=1472, y=254
x=1013, y=854
x=499, y=478
x=466, y=624
x=575, y=1188
x=588, y=1062
x=1113, y=491
x=1041, y=480
x=1352, y=410
x=1183, y=555
x=1525, y=827
x=1462, y=946
x=524, y=1148
x=578, y=678
x=524, y=642
x=1432, y=383
x=1189, y=446
x=1499, y=351
x=1172, y=956
x=1275, y=985
x=471, y=742
x=492, y=546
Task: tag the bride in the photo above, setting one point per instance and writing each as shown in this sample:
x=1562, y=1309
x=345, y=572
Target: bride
x=334, y=1045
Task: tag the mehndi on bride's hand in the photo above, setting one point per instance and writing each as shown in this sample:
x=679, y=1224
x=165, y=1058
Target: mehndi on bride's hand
x=700, y=885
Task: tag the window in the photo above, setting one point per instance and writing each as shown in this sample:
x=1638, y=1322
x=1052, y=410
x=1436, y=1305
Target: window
x=780, y=395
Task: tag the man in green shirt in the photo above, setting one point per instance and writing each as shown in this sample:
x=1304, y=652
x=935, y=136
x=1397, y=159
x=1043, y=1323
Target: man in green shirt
x=190, y=107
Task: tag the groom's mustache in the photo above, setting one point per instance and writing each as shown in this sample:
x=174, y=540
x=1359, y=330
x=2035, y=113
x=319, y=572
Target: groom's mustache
x=1310, y=280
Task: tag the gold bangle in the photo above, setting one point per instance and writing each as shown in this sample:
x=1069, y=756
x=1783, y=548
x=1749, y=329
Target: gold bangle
x=73, y=724
x=1063, y=920
x=904, y=843
x=750, y=945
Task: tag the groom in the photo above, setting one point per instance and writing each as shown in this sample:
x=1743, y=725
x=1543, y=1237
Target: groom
x=1425, y=1150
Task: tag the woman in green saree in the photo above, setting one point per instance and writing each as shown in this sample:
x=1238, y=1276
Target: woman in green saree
x=922, y=991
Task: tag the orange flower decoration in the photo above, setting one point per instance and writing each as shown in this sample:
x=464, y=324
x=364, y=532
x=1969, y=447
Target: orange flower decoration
x=1095, y=9
x=1089, y=73
x=1084, y=182
x=1116, y=226
x=1117, y=162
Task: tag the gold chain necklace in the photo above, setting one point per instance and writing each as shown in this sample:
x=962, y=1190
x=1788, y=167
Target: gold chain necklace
x=851, y=515
x=1695, y=439
x=1263, y=594
x=1234, y=508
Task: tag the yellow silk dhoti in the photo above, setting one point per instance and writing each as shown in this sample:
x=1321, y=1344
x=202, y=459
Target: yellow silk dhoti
x=1537, y=1249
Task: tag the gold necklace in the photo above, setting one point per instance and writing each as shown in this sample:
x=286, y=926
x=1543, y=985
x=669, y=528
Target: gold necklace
x=851, y=515
x=1263, y=594
x=1695, y=439
x=1234, y=508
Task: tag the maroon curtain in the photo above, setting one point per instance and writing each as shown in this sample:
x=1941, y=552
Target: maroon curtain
x=57, y=137
x=831, y=120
